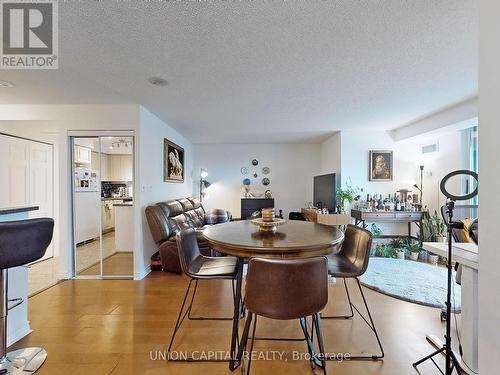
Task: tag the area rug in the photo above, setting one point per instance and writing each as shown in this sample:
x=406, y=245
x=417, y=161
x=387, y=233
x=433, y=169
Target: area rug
x=410, y=281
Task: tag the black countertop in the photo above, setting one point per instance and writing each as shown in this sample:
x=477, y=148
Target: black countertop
x=125, y=199
x=123, y=205
x=15, y=210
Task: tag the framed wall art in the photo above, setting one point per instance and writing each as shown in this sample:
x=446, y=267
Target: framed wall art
x=381, y=165
x=173, y=162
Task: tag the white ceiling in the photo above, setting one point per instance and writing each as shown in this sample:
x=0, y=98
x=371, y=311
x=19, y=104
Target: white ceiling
x=263, y=71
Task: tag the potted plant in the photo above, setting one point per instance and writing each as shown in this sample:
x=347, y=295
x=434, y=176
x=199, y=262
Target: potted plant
x=376, y=231
x=433, y=259
x=398, y=247
x=385, y=251
x=377, y=234
x=435, y=227
x=440, y=228
x=414, y=250
x=346, y=195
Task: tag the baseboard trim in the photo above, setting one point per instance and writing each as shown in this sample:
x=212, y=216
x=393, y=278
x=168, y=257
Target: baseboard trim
x=20, y=332
x=143, y=274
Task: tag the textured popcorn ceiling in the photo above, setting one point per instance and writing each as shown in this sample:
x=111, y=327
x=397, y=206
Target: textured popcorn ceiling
x=263, y=71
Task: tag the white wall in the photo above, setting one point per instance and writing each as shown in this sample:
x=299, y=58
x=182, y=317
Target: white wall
x=407, y=158
x=51, y=123
x=489, y=252
x=331, y=154
x=149, y=167
x=292, y=169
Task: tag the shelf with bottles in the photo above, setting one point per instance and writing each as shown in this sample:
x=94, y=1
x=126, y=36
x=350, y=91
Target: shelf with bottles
x=399, y=201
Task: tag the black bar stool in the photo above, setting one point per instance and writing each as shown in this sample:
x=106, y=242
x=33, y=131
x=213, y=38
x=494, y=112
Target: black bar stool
x=21, y=242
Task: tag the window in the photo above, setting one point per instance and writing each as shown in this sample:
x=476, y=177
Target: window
x=470, y=146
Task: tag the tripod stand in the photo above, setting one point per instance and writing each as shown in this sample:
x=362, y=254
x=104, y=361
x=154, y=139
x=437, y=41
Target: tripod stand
x=451, y=360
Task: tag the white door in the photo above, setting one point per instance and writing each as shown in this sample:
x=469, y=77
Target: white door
x=41, y=183
x=14, y=169
x=26, y=168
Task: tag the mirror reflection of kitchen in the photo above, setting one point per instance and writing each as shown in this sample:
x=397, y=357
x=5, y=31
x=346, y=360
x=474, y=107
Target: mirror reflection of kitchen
x=103, y=180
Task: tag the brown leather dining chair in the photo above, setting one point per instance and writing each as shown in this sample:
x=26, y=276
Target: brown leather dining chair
x=286, y=290
x=199, y=267
x=351, y=263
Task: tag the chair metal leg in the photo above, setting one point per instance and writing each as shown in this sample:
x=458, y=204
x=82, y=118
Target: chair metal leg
x=350, y=306
x=252, y=341
x=369, y=322
x=180, y=319
x=319, y=334
x=190, y=317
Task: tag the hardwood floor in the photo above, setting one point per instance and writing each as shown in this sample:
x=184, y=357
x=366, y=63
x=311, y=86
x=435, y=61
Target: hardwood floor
x=118, y=264
x=115, y=326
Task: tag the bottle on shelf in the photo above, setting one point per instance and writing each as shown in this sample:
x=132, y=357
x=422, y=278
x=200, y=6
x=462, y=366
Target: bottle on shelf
x=380, y=203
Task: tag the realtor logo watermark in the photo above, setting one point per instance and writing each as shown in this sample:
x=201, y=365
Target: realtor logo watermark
x=29, y=34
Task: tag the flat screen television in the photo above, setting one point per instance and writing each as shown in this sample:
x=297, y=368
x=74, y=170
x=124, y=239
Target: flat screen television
x=324, y=191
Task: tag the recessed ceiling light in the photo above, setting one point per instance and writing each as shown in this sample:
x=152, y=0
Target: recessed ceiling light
x=6, y=84
x=158, y=81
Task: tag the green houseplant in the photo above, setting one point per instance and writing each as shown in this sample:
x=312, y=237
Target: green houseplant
x=440, y=227
x=385, y=251
x=413, y=250
x=398, y=247
x=435, y=227
x=346, y=195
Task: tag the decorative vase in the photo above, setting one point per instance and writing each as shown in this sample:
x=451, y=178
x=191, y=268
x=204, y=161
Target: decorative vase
x=401, y=254
x=422, y=255
x=441, y=239
x=433, y=259
x=414, y=256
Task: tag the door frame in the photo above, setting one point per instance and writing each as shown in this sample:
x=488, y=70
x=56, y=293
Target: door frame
x=97, y=134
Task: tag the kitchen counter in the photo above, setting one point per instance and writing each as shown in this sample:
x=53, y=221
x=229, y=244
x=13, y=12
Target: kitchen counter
x=16, y=210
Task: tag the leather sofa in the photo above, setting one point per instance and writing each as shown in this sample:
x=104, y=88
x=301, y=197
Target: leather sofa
x=167, y=218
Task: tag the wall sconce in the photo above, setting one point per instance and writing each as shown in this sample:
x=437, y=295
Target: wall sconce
x=204, y=184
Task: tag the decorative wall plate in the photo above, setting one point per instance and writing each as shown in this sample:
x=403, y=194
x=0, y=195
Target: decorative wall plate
x=266, y=170
x=255, y=175
x=255, y=162
x=246, y=181
x=243, y=170
x=265, y=181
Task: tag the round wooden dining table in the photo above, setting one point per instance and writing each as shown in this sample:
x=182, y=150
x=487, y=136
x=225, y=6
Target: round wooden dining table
x=292, y=240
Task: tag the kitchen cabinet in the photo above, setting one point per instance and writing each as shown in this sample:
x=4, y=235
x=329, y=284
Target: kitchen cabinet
x=102, y=166
x=120, y=167
x=108, y=215
x=105, y=167
x=83, y=155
